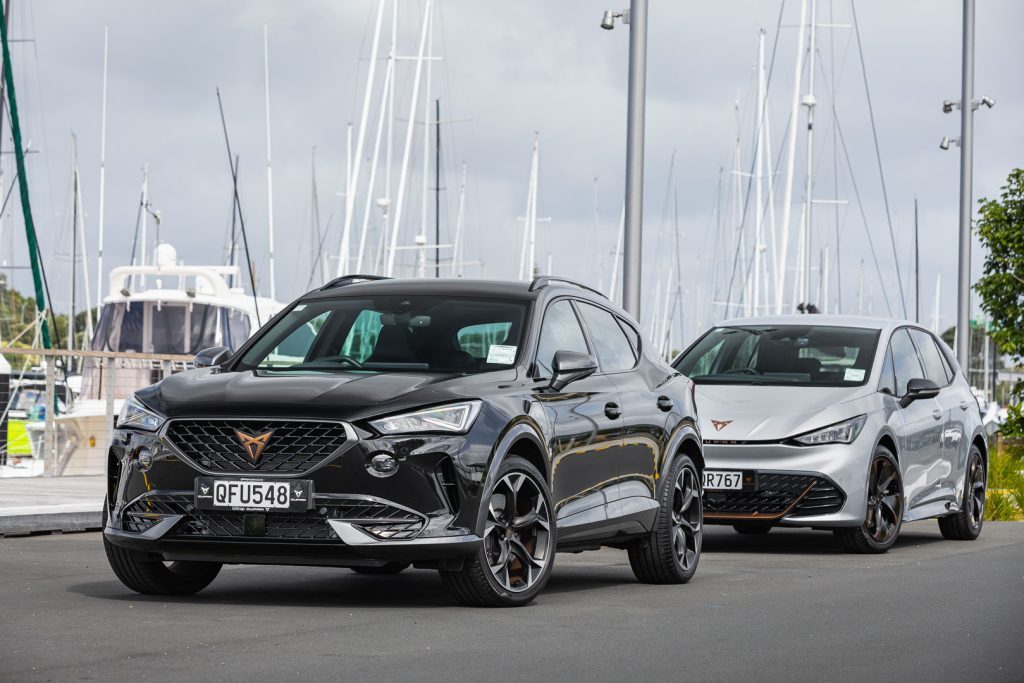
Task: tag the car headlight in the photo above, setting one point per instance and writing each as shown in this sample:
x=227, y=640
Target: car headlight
x=456, y=418
x=136, y=415
x=841, y=432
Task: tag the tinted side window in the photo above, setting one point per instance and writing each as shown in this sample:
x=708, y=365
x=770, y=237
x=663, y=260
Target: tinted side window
x=934, y=367
x=614, y=351
x=905, y=361
x=560, y=332
x=634, y=336
x=887, y=383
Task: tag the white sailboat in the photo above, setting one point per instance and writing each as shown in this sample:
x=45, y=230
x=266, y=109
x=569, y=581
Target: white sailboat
x=166, y=308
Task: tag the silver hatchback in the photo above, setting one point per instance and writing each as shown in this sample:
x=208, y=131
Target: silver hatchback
x=832, y=422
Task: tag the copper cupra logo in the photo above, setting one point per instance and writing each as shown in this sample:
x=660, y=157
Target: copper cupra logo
x=254, y=443
x=719, y=425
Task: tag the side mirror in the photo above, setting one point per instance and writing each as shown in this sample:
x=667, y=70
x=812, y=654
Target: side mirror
x=917, y=389
x=570, y=366
x=207, y=358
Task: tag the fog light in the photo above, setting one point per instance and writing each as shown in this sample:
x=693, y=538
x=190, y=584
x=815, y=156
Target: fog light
x=383, y=465
x=144, y=460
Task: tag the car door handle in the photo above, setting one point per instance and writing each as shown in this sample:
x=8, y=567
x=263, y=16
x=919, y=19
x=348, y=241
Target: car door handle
x=937, y=414
x=665, y=403
x=612, y=411
x=964, y=405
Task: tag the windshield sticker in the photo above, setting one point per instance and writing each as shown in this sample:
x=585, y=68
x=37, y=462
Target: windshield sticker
x=500, y=354
x=853, y=375
x=300, y=307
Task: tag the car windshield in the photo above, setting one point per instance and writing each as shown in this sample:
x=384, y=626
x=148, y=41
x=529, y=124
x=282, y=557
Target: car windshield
x=392, y=334
x=803, y=355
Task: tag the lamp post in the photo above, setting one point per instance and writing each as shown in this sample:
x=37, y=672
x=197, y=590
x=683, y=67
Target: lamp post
x=967, y=106
x=636, y=18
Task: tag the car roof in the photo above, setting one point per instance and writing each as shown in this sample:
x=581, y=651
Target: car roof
x=864, y=322
x=498, y=289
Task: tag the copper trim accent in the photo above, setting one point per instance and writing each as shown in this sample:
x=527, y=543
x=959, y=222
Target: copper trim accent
x=767, y=518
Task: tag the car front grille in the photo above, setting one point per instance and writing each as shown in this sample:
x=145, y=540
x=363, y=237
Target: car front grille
x=777, y=495
x=378, y=518
x=293, y=447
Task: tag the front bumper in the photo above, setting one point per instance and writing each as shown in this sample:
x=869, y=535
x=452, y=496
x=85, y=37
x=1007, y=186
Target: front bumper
x=809, y=486
x=422, y=513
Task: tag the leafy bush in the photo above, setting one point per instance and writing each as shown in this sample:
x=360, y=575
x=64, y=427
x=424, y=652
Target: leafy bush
x=1005, y=494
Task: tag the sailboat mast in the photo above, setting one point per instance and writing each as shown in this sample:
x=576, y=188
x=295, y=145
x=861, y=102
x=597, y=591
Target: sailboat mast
x=103, y=172
x=437, y=189
x=346, y=232
x=84, y=255
x=407, y=151
x=459, y=220
x=270, y=172
x=759, y=117
x=787, y=200
x=74, y=243
x=810, y=103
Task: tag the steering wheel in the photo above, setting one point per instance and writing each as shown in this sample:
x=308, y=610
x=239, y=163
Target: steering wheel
x=339, y=359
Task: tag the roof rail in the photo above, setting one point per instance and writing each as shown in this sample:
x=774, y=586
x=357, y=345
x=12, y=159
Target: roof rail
x=545, y=280
x=351, y=279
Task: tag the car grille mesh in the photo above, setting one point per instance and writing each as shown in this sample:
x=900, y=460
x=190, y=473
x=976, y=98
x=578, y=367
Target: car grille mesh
x=378, y=518
x=293, y=448
x=777, y=495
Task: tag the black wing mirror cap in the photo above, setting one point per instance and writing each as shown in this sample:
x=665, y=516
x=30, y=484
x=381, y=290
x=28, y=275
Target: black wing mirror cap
x=571, y=366
x=918, y=389
x=208, y=358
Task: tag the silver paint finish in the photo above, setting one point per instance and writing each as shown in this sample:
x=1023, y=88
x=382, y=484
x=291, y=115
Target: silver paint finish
x=932, y=436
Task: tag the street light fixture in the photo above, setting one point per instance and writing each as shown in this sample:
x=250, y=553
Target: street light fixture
x=608, y=20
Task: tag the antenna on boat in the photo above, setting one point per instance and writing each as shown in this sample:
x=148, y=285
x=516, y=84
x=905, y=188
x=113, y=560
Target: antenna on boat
x=233, y=165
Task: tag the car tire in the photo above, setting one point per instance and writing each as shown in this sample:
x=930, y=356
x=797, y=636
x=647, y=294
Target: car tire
x=515, y=558
x=966, y=524
x=140, y=572
x=671, y=553
x=884, y=514
x=389, y=569
x=752, y=528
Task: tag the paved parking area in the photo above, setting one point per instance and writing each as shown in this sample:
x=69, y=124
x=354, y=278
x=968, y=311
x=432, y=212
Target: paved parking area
x=781, y=607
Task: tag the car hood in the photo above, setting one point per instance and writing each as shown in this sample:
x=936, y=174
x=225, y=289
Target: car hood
x=343, y=395
x=735, y=412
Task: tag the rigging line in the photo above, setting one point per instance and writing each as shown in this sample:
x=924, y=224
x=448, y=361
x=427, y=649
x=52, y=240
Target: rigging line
x=135, y=237
x=878, y=157
x=864, y=218
x=763, y=106
x=233, y=165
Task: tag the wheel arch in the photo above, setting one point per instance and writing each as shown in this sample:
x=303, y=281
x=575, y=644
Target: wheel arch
x=686, y=441
x=889, y=442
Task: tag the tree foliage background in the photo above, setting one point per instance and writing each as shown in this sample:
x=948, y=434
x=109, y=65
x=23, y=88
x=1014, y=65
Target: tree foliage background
x=1001, y=229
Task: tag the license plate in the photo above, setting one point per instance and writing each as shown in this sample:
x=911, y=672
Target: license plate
x=253, y=495
x=723, y=480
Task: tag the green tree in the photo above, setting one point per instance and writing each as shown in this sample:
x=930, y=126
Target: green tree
x=1001, y=229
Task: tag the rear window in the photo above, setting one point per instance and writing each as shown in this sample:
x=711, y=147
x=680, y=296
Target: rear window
x=809, y=355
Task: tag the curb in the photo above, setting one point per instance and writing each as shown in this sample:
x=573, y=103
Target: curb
x=49, y=522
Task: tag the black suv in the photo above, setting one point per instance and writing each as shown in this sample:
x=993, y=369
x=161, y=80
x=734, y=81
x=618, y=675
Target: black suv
x=472, y=427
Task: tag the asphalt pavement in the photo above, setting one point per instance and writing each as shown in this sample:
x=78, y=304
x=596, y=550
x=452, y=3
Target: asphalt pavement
x=787, y=606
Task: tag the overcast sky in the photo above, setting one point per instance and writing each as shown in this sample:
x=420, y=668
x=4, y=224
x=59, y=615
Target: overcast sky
x=508, y=70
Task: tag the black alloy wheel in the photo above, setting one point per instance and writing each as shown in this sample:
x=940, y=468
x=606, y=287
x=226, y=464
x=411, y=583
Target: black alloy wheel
x=966, y=524
x=671, y=553
x=518, y=548
x=884, y=515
